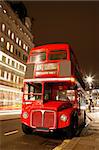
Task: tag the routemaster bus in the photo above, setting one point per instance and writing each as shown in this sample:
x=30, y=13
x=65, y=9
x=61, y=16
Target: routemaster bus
x=53, y=95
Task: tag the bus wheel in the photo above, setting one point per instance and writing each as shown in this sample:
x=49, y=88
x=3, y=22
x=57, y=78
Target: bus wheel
x=26, y=129
x=72, y=129
x=69, y=134
x=74, y=125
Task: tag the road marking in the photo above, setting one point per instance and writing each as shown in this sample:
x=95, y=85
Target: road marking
x=63, y=145
x=11, y=132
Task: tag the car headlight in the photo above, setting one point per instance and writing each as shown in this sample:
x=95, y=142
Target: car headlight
x=25, y=115
x=63, y=117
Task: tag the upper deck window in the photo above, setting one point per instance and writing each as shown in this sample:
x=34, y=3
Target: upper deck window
x=38, y=56
x=57, y=55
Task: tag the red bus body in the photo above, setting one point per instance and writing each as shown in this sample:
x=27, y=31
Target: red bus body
x=53, y=90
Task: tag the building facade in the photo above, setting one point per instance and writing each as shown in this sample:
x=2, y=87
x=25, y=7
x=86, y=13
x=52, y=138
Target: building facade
x=15, y=42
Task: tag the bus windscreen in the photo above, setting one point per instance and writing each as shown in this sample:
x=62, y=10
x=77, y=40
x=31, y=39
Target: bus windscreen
x=57, y=55
x=38, y=56
x=52, y=55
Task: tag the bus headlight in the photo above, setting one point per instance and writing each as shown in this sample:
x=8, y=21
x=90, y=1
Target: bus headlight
x=63, y=117
x=25, y=115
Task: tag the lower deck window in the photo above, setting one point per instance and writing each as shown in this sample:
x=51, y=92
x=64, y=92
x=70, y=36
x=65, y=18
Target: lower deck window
x=32, y=91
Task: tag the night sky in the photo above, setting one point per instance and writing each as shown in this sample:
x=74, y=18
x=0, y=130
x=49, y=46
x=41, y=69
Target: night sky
x=74, y=22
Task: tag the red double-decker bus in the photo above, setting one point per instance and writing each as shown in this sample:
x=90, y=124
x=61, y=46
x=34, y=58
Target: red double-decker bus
x=53, y=95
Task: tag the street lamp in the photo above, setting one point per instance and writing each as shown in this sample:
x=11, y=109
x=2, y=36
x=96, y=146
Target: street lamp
x=89, y=79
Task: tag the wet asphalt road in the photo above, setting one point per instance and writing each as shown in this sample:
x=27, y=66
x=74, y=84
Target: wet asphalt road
x=12, y=138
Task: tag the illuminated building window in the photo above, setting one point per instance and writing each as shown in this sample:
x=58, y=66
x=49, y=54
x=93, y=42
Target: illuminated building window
x=10, y=17
x=3, y=27
x=4, y=11
x=11, y=49
x=17, y=65
x=8, y=45
x=20, y=42
x=8, y=61
x=17, y=40
x=4, y=59
x=12, y=36
x=25, y=58
x=0, y=6
x=2, y=73
x=16, y=51
x=12, y=77
x=13, y=20
x=9, y=32
x=21, y=68
x=15, y=79
x=7, y=76
x=19, y=54
x=24, y=46
x=13, y=63
x=2, y=39
x=19, y=80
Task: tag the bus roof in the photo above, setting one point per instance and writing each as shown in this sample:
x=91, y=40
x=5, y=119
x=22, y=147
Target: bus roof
x=51, y=47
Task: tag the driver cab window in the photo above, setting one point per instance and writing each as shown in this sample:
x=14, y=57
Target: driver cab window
x=33, y=91
x=66, y=95
x=61, y=95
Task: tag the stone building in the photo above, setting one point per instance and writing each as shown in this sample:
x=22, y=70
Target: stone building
x=15, y=42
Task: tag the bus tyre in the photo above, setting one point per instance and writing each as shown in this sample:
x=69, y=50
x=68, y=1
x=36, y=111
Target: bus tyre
x=72, y=129
x=69, y=134
x=26, y=129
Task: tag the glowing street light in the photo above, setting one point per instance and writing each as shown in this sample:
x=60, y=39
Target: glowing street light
x=89, y=79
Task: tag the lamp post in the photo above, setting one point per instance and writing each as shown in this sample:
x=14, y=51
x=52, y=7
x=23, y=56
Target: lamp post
x=89, y=80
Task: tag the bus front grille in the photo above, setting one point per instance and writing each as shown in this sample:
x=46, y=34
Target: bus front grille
x=48, y=119
x=43, y=119
x=37, y=118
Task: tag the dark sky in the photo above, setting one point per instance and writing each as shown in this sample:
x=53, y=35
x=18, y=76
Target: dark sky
x=74, y=22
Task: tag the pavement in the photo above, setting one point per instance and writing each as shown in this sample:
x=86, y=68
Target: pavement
x=89, y=137
x=9, y=114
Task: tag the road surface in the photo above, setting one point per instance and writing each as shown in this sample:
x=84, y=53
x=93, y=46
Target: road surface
x=12, y=138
